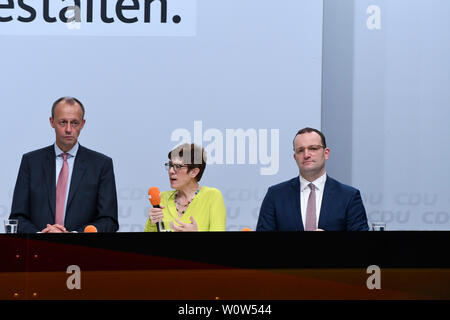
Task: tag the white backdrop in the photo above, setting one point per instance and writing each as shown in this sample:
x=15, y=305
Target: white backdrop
x=385, y=107
x=401, y=114
x=252, y=65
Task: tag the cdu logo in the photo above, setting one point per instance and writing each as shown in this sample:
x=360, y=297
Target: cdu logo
x=98, y=17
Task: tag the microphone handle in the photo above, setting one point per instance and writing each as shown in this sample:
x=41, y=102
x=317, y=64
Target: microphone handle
x=158, y=226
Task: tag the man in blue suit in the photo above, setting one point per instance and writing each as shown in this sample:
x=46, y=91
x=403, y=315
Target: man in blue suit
x=312, y=201
x=65, y=187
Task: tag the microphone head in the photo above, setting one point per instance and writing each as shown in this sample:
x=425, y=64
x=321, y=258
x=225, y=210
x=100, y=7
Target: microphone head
x=153, y=196
x=246, y=229
x=90, y=229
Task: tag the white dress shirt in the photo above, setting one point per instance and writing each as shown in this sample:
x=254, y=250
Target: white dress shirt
x=59, y=163
x=319, y=184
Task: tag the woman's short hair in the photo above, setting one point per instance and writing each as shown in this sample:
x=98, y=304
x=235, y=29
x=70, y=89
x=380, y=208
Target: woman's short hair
x=192, y=155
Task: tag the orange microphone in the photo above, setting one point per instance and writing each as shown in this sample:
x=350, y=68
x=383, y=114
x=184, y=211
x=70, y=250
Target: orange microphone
x=155, y=200
x=153, y=196
x=246, y=229
x=90, y=229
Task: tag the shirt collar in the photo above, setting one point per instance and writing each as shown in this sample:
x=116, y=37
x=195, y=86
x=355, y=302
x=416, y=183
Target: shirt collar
x=72, y=152
x=319, y=183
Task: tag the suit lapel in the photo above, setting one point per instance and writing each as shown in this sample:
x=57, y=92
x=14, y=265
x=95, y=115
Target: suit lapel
x=79, y=169
x=295, y=187
x=326, y=209
x=49, y=167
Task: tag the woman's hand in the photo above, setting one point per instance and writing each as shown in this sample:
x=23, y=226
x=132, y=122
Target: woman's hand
x=184, y=226
x=156, y=214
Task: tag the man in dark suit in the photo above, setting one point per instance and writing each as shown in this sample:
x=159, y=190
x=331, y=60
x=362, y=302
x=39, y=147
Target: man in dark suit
x=65, y=187
x=312, y=201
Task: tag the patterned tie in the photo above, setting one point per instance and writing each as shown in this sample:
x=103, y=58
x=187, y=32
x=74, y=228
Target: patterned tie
x=310, y=224
x=61, y=188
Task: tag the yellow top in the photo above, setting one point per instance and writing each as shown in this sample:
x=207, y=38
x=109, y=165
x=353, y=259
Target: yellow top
x=207, y=208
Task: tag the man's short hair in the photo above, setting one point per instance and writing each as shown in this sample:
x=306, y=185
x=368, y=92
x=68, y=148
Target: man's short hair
x=308, y=130
x=69, y=100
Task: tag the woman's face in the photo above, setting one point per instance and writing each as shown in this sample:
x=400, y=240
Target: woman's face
x=179, y=175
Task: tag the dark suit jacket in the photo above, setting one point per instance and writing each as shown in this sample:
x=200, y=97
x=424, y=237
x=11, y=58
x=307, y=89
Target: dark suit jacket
x=92, y=197
x=341, y=210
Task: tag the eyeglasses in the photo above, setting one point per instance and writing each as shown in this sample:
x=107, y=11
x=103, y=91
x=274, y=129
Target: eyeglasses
x=311, y=149
x=177, y=167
